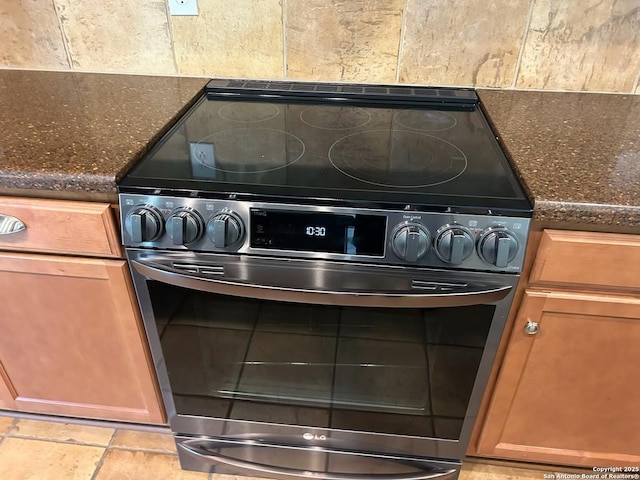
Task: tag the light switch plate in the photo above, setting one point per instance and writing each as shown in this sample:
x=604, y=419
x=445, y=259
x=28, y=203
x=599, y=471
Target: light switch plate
x=183, y=7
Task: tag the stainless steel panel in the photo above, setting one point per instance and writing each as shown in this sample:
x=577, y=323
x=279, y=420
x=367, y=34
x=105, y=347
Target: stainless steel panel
x=429, y=220
x=284, y=458
x=317, y=282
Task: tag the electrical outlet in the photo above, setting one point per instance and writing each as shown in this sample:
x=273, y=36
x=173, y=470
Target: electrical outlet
x=203, y=153
x=183, y=7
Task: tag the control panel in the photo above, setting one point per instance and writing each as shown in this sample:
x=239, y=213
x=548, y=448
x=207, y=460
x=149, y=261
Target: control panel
x=441, y=240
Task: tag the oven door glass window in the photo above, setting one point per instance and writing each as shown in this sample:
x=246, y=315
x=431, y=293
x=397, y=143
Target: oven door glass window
x=398, y=371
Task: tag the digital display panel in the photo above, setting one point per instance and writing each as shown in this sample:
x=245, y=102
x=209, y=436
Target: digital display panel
x=350, y=234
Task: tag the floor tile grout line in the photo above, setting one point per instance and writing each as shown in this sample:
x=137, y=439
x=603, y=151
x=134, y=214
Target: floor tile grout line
x=139, y=449
x=12, y=427
x=96, y=471
x=4, y=434
x=87, y=422
x=57, y=440
x=89, y=444
x=8, y=429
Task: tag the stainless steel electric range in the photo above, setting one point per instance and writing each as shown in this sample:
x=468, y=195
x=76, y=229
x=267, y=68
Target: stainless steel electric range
x=324, y=273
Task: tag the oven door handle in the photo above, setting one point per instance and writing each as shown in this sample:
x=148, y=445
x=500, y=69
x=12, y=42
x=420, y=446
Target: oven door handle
x=203, y=449
x=417, y=293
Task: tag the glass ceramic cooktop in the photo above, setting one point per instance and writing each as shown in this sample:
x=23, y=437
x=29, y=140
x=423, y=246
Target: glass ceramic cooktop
x=429, y=156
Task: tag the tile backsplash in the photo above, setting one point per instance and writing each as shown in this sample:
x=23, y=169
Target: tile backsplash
x=466, y=42
x=352, y=40
x=590, y=45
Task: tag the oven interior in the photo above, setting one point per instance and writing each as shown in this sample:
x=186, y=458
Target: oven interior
x=402, y=371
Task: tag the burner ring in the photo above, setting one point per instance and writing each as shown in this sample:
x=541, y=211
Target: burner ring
x=360, y=116
x=440, y=120
x=454, y=166
x=244, y=143
x=248, y=112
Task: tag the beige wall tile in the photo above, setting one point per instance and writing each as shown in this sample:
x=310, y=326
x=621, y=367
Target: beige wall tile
x=582, y=45
x=118, y=35
x=468, y=42
x=162, y=442
x=242, y=38
x=67, y=432
x=22, y=459
x=343, y=40
x=30, y=35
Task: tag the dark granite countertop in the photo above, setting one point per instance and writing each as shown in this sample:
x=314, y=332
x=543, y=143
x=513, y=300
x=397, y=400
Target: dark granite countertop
x=578, y=154
x=74, y=135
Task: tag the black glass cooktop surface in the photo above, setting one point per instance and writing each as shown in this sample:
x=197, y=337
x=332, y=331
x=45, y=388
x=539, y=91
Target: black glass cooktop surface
x=349, y=150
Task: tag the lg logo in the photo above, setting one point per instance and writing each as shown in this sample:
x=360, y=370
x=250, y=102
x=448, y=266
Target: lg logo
x=312, y=436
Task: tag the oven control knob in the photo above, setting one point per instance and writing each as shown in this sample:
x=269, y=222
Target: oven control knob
x=497, y=246
x=453, y=244
x=225, y=229
x=410, y=241
x=144, y=224
x=185, y=226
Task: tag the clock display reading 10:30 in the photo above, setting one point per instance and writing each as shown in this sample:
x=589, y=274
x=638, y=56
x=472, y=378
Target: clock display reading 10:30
x=316, y=231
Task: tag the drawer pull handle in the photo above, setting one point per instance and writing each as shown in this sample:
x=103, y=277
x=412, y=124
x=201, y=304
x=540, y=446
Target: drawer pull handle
x=9, y=225
x=531, y=328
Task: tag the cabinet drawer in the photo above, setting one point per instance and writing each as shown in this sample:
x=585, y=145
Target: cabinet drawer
x=60, y=226
x=587, y=259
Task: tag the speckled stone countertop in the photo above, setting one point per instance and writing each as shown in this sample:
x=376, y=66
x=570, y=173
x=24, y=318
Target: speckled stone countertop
x=74, y=135
x=577, y=154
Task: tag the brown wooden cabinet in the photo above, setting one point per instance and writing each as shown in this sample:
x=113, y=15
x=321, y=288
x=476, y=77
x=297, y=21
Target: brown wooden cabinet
x=570, y=393
x=71, y=340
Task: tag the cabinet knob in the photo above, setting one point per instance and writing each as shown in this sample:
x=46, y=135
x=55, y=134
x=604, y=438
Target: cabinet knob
x=531, y=328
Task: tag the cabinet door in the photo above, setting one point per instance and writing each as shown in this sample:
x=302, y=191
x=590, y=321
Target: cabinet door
x=569, y=394
x=72, y=342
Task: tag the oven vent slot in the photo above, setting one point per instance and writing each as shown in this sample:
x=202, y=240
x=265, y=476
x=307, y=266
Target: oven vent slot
x=199, y=268
x=438, y=286
x=455, y=98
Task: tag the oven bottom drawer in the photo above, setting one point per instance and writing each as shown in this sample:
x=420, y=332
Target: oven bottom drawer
x=269, y=458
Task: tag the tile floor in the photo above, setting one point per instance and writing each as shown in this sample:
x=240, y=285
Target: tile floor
x=43, y=450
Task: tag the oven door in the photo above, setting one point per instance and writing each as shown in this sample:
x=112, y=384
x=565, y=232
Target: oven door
x=334, y=355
